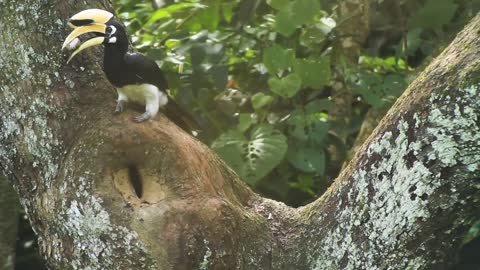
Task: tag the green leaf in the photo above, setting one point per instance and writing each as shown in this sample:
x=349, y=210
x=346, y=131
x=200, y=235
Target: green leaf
x=295, y=14
x=314, y=73
x=304, y=183
x=245, y=121
x=277, y=58
x=434, y=14
x=308, y=158
x=278, y=4
x=414, y=40
x=259, y=100
x=284, y=23
x=394, y=84
x=157, y=15
x=210, y=17
x=378, y=90
x=227, y=10
x=310, y=124
x=304, y=11
x=252, y=158
x=312, y=36
x=170, y=43
x=287, y=86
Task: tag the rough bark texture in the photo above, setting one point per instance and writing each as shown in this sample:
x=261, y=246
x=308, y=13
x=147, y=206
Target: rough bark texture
x=403, y=203
x=8, y=224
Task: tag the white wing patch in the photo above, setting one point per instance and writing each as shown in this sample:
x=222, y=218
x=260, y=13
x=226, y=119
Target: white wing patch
x=147, y=94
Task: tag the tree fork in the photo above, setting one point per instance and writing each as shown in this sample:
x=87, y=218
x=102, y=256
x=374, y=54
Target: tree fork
x=105, y=193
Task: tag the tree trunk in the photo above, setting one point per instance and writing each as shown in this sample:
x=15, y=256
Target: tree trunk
x=404, y=201
x=8, y=224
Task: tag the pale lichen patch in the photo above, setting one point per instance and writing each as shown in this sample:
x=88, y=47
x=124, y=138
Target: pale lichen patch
x=95, y=240
x=25, y=119
x=205, y=263
x=391, y=195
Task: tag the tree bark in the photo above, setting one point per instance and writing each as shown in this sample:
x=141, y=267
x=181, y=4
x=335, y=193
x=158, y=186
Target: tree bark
x=404, y=202
x=8, y=224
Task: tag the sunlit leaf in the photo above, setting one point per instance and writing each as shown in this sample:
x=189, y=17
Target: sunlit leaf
x=277, y=58
x=259, y=100
x=314, y=73
x=171, y=43
x=245, y=121
x=287, y=86
x=253, y=157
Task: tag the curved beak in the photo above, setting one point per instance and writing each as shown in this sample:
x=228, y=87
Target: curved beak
x=90, y=16
x=87, y=44
x=87, y=21
x=98, y=28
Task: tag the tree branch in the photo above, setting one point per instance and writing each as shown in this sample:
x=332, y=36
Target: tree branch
x=405, y=199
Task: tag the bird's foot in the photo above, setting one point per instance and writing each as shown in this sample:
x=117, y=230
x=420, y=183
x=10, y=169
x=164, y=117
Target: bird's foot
x=142, y=118
x=120, y=106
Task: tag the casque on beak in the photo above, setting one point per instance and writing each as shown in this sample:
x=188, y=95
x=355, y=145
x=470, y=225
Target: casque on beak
x=87, y=21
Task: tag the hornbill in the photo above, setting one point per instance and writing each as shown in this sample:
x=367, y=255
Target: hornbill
x=136, y=77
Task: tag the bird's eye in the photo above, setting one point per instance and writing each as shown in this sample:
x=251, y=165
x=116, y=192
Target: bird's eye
x=110, y=30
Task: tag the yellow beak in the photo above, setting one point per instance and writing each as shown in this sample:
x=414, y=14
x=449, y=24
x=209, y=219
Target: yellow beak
x=90, y=16
x=89, y=43
x=99, y=28
x=87, y=21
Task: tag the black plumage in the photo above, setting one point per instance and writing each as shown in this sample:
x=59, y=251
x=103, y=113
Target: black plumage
x=124, y=68
x=136, y=76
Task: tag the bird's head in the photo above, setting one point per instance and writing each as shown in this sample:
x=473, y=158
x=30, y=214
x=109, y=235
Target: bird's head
x=99, y=22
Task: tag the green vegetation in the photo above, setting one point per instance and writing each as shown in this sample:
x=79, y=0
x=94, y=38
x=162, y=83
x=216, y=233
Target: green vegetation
x=259, y=76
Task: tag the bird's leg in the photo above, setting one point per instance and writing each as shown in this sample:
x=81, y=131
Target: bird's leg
x=144, y=117
x=151, y=106
x=120, y=106
x=122, y=99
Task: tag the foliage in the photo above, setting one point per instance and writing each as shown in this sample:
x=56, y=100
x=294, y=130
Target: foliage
x=259, y=76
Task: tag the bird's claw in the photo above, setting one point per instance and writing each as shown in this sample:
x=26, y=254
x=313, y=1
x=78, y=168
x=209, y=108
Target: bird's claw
x=119, y=108
x=142, y=118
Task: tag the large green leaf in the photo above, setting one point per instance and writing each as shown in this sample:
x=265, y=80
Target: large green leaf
x=378, y=90
x=308, y=158
x=254, y=157
x=295, y=14
x=245, y=121
x=309, y=124
x=314, y=73
x=304, y=11
x=287, y=86
x=209, y=17
x=278, y=4
x=277, y=58
x=259, y=100
x=284, y=22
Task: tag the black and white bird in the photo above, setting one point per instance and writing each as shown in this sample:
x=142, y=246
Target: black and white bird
x=137, y=78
